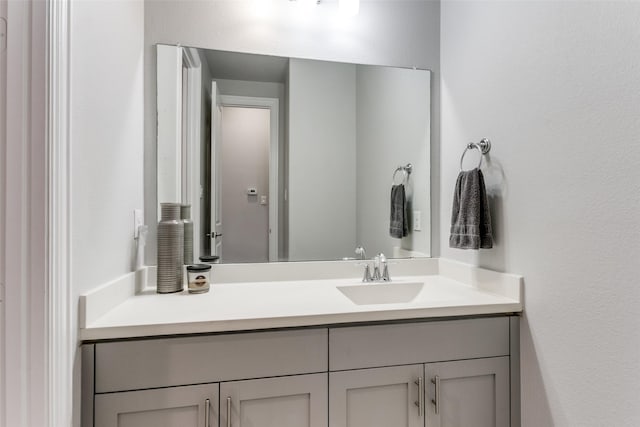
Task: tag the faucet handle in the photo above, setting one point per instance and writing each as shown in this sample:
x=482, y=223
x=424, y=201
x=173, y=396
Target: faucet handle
x=385, y=273
x=367, y=274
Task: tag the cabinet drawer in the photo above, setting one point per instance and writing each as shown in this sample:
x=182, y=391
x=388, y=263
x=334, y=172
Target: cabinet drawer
x=404, y=344
x=132, y=365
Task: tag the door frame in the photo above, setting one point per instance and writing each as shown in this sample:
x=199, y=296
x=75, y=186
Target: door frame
x=214, y=177
x=192, y=195
x=61, y=339
x=178, y=158
x=272, y=104
x=36, y=340
x=40, y=303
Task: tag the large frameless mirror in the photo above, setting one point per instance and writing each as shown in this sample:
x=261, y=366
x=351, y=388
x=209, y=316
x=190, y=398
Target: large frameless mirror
x=286, y=159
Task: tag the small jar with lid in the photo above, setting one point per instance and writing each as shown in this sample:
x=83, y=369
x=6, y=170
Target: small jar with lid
x=199, y=277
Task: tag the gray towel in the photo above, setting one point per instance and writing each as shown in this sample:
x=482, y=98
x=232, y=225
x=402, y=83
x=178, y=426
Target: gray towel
x=470, y=218
x=398, y=225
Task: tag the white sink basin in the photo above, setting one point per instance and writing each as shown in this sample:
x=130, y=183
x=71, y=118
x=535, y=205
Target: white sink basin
x=382, y=293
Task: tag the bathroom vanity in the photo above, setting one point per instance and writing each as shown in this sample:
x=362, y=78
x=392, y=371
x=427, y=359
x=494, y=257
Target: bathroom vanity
x=311, y=356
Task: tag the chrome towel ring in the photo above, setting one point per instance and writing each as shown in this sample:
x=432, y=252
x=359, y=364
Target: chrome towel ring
x=484, y=146
x=406, y=171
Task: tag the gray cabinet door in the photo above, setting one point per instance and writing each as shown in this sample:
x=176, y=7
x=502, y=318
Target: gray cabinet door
x=468, y=393
x=190, y=406
x=294, y=401
x=376, y=397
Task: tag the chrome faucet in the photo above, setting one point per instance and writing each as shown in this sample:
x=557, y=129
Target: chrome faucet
x=376, y=268
x=380, y=270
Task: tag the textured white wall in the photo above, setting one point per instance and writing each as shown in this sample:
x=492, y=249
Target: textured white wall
x=385, y=32
x=556, y=86
x=106, y=134
x=106, y=130
x=322, y=155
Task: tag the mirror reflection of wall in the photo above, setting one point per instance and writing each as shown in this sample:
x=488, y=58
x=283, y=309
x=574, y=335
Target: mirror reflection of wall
x=333, y=135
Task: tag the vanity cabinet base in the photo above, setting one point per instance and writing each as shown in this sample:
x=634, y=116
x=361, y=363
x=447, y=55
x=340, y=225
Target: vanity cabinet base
x=445, y=373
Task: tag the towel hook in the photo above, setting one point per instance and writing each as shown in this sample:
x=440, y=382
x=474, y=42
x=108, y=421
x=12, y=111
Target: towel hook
x=406, y=171
x=484, y=146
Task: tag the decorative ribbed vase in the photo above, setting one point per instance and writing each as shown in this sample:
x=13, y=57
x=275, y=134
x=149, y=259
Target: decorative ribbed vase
x=170, y=249
x=185, y=216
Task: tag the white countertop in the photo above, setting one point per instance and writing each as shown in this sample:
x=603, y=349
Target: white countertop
x=457, y=290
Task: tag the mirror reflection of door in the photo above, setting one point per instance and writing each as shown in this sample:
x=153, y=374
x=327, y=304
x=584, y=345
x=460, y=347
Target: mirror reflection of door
x=244, y=174
x=242, y=163
x=238, y=174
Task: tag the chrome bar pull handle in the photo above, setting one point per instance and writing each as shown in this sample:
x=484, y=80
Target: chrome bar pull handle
x=420, y=402
x=436, y=398
x=207, y=413
x=228, y=411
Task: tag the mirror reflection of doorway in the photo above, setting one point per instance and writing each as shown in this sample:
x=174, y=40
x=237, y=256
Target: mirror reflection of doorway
x=244, y=175
x=242, y=197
